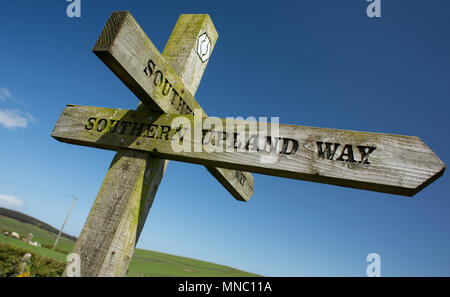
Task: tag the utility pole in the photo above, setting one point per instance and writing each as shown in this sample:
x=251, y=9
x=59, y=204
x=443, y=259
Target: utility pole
x=65, y=221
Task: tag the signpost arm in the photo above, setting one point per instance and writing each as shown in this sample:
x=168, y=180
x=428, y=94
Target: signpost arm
x=387, y=163
x=111, y=232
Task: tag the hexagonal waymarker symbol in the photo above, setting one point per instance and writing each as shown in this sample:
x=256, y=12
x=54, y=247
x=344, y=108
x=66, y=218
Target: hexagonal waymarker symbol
x=203, y=47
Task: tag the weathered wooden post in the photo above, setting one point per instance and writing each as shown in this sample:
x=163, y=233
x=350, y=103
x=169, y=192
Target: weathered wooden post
x=128, y=52
x=106, y=243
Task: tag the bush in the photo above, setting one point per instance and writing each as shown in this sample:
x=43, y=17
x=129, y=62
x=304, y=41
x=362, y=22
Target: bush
x=10, y=257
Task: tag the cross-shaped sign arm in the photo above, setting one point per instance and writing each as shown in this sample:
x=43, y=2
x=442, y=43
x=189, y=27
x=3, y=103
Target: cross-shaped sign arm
x=125, y=48
x=106, y=243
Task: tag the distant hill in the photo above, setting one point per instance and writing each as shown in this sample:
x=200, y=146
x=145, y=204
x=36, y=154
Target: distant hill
x=21, y=217
x=143, y=262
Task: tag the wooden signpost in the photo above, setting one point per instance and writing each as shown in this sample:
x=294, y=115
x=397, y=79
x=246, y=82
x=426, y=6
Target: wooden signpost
x=107, y=240
x=169, y=124
x=124, y=48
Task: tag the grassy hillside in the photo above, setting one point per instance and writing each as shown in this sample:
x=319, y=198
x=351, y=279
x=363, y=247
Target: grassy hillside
x=21, y=217
x=143, y=263
x=42, y=236
x=150, y=263
x=40, y=251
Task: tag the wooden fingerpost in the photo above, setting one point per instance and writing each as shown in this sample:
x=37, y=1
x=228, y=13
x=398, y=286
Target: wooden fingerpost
x=111, y=232
x=125, y=48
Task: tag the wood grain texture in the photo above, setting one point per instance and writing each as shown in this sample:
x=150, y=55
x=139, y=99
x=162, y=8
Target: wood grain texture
x=387, y=163
x=166, y=85
x=107, y=240
x=182, y=47
x=112, y=229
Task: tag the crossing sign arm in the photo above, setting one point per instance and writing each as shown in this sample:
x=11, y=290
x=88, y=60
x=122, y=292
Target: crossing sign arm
x=125, y=48
x=395, y=164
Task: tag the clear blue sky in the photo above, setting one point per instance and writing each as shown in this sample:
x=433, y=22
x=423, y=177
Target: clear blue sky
x=316, y=63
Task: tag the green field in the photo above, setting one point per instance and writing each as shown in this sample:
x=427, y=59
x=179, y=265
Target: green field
x=143, y=263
